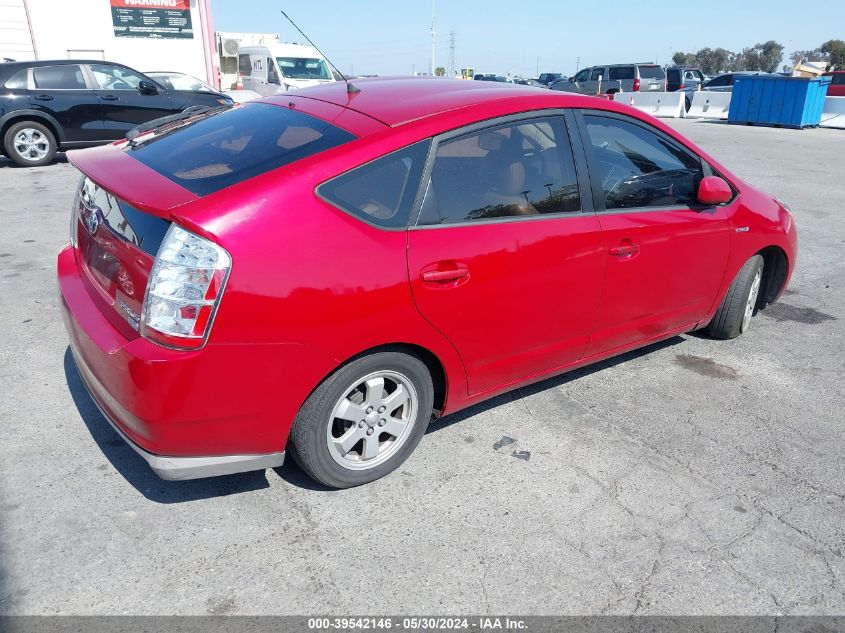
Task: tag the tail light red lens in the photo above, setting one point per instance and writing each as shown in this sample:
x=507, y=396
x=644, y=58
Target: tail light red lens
x=636, y=85
x=184, y=290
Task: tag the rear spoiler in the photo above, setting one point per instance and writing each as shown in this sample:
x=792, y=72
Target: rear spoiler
x=113, y=168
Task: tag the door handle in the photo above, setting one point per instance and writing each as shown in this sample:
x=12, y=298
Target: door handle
x=445, y=273
x=626, y=248
x=110, y=98
x=44, y=97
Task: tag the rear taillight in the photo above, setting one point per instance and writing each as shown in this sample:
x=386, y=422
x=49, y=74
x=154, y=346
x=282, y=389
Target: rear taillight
x=636, y=85
x=681, y=87
x=185, y=287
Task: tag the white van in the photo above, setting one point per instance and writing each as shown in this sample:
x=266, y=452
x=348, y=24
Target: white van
x=276, y=67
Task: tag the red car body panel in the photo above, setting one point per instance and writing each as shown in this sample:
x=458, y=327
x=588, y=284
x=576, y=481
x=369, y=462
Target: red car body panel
x=312, y=287
x=836, y=89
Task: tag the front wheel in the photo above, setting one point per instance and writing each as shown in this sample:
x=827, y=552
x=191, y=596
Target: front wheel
x=734, y=313
x=364, y=420
x=30, y=144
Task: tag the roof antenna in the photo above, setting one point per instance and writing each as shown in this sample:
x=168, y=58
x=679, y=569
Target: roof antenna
x=350, y=89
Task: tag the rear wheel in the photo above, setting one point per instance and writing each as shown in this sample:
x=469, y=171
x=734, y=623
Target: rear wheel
x=30, y=144
x=363, y=421
x=734, y=314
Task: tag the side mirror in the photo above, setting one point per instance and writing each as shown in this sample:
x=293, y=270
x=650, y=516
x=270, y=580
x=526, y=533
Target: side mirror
x=147, y=88
x=714, y=190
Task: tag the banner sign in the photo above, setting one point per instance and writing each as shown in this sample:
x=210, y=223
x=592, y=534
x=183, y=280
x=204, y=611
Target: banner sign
x=152, y=18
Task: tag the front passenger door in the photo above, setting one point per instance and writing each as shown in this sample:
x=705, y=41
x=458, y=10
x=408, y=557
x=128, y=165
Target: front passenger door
x=122, y=104
x=664, y=254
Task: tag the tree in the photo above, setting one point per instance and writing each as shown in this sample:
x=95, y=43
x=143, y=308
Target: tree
x=769, y=56
x=440, y=71
x=683, y=59
x=836, y=50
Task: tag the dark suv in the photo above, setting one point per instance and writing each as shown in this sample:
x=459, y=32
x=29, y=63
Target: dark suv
x=50, y=105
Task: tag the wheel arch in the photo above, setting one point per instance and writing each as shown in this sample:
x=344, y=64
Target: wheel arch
x=775, y=273
x=19, y=116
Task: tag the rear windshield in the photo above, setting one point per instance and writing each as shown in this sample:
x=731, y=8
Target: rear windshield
x=235, y=145
x=838, y=79
x=651, y=72
x=674, y=75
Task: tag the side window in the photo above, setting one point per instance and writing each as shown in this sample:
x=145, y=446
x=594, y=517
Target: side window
x=18, y=81
x=272, y=75
x=597, y=72
x=639, y=168
x=244, y=64
x=66, y=77
x=512, y=170
x=621, y=73
x=383, y=191
x=583, y=75
x=674, y=75
x=115, y=77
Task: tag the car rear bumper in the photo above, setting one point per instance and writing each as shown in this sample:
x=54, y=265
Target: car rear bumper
x=183, y=468
x=183, y=412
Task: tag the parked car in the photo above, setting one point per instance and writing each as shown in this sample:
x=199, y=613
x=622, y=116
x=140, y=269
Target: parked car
x=719, y=83
x=615, y=78
x=189, y=83
x=529, y=82
x=50, y=105
x=498, y=78
x=548, y=78
x=280, y=67
x=293, y=273
x=837, y=83
x=683, y=77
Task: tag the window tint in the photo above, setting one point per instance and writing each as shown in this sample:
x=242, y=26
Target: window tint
x=244, y=64
x=68, y=77
x=674, y=75
x=517, y=169
x=18, y=81
x=597, y=72
x=639, y=168
x=652, y=72
x=272, y=75
x=229, y=147
x=115, y=77
x=621, y=73
x=838, y=79
x=383, y=191
x=582, y=76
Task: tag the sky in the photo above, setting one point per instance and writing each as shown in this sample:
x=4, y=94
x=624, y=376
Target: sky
x=525, y=37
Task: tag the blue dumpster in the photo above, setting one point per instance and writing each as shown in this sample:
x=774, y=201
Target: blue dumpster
x=775, y=100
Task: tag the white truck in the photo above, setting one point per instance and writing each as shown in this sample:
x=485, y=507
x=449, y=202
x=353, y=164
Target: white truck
x=279, y=67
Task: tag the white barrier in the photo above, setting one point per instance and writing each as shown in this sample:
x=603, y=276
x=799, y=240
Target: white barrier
x=709, y=105
x=833, y=114
x=659, y=104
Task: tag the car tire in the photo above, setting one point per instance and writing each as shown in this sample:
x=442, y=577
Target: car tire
x=370, y=440
x=740, y=303
x=30, y=144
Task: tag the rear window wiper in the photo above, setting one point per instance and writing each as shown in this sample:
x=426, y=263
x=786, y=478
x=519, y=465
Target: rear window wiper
x=166, y=124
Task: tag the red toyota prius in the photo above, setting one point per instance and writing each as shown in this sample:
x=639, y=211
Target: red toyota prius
x=326, y=272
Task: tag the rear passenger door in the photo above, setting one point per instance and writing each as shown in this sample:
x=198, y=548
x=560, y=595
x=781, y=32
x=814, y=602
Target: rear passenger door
x=664, y=254
x=62, y=93
x=505, y=257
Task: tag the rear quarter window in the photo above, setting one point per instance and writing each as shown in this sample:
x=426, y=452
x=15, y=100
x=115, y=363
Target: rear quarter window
x=383, y=191
x=18, y=81
x=233, y=146
x=652, y=72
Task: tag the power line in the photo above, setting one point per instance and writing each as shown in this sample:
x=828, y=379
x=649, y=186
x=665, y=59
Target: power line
x=452, y=53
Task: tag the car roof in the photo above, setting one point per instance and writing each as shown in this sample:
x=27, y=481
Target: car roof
x=397, y=100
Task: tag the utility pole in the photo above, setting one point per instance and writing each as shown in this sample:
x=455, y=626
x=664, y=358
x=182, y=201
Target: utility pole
x=577, y=64
x=538, y=66
x=431, y=69
x=452, y=53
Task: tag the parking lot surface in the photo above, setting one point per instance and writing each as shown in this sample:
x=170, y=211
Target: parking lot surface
x=694, y=476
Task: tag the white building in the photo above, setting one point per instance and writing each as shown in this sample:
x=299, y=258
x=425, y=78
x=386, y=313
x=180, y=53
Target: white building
x=147, y=35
